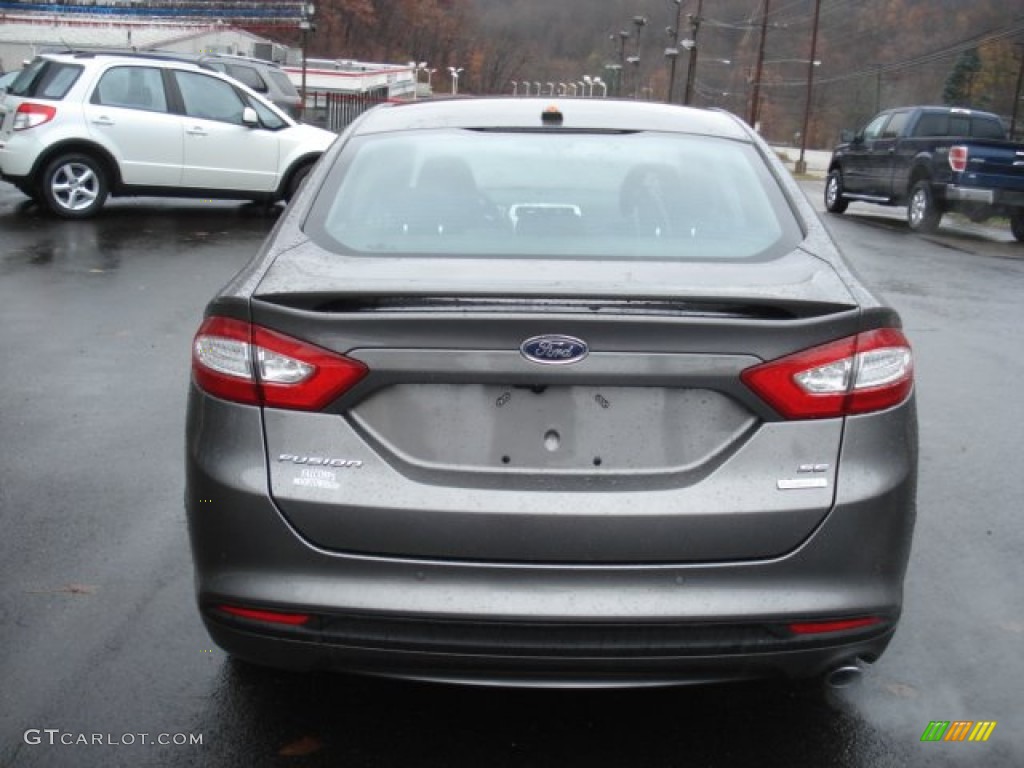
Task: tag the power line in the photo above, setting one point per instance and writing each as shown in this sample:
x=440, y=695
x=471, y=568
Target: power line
x=928, y=58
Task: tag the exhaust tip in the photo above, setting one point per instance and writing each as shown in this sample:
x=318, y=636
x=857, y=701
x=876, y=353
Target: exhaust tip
x=844, y=676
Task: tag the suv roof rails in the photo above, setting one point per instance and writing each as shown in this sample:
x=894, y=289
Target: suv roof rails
x=91, y=53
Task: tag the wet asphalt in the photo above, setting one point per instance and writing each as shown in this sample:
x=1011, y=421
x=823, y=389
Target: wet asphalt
x=102, y=653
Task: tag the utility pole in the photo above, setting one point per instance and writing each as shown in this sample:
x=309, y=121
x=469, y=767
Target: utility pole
x=1016, y=93
x=691, y=72
x=672, y=52
x=755, y=100
x=801, y=164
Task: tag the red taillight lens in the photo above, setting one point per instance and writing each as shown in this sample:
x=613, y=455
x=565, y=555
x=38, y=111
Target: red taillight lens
x=958, y=158
x=824, y=627
x=30, y=115
x=271, y=617
x=245, y=363
x=868, y=372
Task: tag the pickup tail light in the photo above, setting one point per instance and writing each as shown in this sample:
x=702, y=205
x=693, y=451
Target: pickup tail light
x=958, y=158
x=245, y=363
x=868, y=372
x=30, y=115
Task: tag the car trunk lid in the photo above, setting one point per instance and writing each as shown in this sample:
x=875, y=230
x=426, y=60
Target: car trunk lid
x=648, y=448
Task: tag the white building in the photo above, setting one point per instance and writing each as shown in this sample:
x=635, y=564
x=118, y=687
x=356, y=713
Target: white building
x=23, y=36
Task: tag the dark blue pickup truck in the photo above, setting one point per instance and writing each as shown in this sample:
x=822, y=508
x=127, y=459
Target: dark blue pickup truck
x=932, y=160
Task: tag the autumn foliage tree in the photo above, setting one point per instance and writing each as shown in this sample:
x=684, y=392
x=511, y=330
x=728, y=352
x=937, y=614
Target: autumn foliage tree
x=874, y=54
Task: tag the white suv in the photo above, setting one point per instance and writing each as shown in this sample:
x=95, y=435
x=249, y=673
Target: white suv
x=75, y=128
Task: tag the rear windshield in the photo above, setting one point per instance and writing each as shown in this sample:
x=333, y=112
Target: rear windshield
x=283, y=83
x=946, y=124
x=45, y=79
x=247, y=76
x=554, y=194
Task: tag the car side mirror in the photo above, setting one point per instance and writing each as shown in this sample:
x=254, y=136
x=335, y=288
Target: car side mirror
x=847, y=136
x=250, y=118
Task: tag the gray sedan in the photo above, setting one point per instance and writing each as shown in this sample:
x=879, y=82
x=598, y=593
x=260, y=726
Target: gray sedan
x=525, y=392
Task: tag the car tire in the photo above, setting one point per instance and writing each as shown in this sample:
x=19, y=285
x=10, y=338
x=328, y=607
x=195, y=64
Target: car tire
x=75, y=186
x=296, y=181
x=922, y=213
x=29, y=191
x=1017, y=224
x=834, y=200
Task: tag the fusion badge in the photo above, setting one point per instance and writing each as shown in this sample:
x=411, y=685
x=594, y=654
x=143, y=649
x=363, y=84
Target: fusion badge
x=554, y=349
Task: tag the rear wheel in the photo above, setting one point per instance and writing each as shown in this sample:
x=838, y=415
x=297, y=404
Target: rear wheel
x=75, y=186
x=834, y=200
x=1017, y=224
x=922, y=213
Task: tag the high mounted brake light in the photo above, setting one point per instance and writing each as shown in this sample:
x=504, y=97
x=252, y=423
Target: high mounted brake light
x=868, y=372
x=245, y=363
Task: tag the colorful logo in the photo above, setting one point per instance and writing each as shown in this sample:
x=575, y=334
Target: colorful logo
x=958, y=730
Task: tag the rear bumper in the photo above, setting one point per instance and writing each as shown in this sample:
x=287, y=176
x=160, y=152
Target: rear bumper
x=18, y=154
x=523, y=624
x=995, y=197
x=507, y=665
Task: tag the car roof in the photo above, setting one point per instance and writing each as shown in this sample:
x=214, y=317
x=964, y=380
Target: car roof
x=236, y=58
x=536, y=113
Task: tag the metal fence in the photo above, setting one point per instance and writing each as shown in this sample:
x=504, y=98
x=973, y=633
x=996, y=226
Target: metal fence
x=334, y=111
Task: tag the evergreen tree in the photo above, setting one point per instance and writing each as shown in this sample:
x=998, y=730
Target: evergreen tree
x=957, y=91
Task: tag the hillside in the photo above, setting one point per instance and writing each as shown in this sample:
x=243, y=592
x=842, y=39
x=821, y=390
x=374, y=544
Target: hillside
x=873, y=53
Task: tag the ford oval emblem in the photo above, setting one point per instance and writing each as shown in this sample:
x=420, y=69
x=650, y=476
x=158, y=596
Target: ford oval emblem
x=554, y=349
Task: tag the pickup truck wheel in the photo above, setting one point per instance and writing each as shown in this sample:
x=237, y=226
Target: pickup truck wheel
x=922, y=214
x=834, y=200
x=74, y=186
x=1017, y=225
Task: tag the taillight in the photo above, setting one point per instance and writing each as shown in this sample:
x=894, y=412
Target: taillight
x=958, y=158
x=868, y=372
x=244, y=363
x=29, y=115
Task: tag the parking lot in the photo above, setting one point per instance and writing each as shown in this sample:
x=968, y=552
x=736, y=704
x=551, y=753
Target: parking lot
x=102, y=639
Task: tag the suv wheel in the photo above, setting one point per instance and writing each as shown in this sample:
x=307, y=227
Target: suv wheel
x=834, y=200
x=75, y=186
x=922, y=213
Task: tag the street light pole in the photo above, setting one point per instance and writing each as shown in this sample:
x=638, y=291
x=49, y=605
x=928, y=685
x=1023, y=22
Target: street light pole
x=454, y=71
x=619, y=68
x=306, y=25
x=801, y=164
x=640, y=22
x=417, y=67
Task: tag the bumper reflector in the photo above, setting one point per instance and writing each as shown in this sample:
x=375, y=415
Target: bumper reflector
x=270, y=617
x=824, y=627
